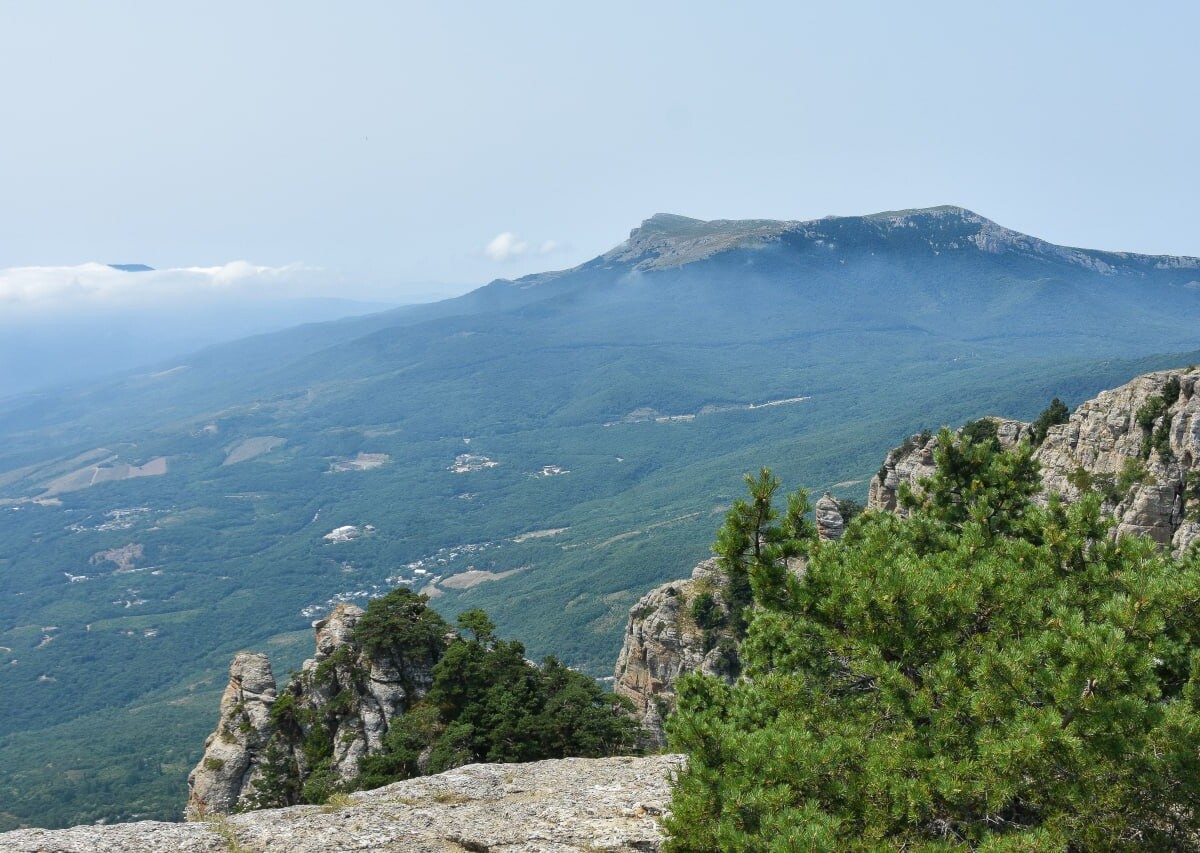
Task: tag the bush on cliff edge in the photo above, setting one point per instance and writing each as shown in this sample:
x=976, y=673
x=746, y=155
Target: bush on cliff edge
x=984, y=674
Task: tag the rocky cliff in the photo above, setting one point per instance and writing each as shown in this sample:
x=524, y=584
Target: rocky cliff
x=686, y=626
x=226, y=773
x=572, y=804
x=666, y=637
x=912, y=462
x=1137, y=445
x=345, y=694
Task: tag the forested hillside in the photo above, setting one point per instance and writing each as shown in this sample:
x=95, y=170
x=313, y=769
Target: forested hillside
x=546, y=449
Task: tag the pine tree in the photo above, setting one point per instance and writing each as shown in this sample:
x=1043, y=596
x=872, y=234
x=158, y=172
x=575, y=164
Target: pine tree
x=985, y=674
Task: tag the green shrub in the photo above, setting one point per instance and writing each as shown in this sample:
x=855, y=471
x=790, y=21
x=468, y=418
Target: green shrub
x=1158, y=438
x=982, y=431
x=1056, y=413
x=706, y=611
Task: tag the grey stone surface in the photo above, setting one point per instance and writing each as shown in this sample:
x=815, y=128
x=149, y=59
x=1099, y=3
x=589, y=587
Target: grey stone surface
x=571, y=804
x=1102, y=439
x=224, y=778
x=663, y=641
x=227, y=769
x=830, y=525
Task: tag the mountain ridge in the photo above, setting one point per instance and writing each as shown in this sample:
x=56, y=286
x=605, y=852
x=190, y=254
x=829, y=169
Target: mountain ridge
x=666, y=240
x=616, y=407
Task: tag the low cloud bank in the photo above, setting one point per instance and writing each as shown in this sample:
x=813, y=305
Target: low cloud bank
x=93, y=285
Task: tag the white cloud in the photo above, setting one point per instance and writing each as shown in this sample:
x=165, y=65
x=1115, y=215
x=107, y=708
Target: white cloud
x=98, y=285
x=505, y=246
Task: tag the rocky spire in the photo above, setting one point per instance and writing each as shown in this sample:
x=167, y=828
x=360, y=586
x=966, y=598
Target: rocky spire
x=829, y=518
x=225, y=773
x=368, y=688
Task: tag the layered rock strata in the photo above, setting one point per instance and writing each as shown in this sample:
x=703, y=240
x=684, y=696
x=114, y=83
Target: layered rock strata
x=830, y=524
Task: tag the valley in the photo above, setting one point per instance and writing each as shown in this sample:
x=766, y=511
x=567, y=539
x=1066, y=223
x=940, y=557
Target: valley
x=155, y=523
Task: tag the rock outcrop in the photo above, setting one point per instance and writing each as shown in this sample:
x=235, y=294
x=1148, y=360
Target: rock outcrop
x=912, y=462
x=351, y=694
x=665, y=638
x=227, y=771
x=1137, y=445
x=830, y=524
x=686, y=626
x=338, y=668
x=571, y=804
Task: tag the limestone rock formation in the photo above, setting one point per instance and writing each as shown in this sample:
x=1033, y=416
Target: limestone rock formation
x=370, y=689
x=226, y=772
x=912, y=462
x=337, y=667
x=829, y=518
x=571, y=804
x=1137, y=445
x=686, y=626
x=664, y=639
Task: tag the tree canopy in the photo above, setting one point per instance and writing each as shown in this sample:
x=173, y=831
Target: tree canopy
x=489, y=703
x=986, y=673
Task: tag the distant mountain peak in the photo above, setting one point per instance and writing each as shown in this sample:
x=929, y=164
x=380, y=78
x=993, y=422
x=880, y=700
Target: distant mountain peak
x=131, y=267
x=669, y=240
x=668, y=222
x=939, y=210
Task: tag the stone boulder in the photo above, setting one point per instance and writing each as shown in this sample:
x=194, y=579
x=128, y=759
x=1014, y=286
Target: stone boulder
x=830, y=525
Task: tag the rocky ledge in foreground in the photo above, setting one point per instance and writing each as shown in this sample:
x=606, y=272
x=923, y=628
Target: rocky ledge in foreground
x=560, y=805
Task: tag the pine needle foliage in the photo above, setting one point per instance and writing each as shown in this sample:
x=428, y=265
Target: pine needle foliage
x=985, y=674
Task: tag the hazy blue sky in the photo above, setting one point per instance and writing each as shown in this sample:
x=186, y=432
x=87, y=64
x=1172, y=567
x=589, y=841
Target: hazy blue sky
x=389, y=144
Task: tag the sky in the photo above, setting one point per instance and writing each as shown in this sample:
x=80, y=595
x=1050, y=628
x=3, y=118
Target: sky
x=396, y=151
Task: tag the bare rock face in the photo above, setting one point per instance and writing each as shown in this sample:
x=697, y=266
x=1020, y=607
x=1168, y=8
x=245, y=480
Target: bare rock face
x=1137, y=445
x=570, y=804
x=909, y=463
x=337, y=667
x=371, y=691
x=225, y=773
x=1147, y=467
x=829, y=518
x=665, y=638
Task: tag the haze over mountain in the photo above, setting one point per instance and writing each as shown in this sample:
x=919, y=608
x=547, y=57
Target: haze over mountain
x=70, y=324
x=547, y=448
